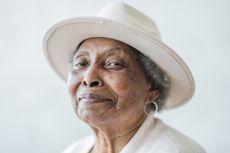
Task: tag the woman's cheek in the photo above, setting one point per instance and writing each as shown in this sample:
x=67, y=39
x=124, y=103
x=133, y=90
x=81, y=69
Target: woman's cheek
x=121, y=84
x=73, y=83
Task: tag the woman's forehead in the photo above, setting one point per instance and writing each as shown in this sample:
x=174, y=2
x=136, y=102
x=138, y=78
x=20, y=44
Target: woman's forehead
x=103, y=46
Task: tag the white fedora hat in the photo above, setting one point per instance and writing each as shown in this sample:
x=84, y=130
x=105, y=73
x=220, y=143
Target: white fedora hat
x=119, y=21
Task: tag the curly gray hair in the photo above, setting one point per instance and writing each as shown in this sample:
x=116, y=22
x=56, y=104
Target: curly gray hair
x=157, y=78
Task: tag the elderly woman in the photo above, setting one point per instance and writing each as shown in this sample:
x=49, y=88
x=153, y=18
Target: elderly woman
x=119, y=73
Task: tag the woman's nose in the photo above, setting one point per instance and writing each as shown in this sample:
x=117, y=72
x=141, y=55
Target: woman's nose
x=93, y=83
x=92, y=78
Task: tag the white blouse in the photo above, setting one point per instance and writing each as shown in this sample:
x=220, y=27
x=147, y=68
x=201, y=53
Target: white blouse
x=153, y=136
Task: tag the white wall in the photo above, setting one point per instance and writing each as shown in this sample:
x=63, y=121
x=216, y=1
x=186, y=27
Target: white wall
x=35, y=111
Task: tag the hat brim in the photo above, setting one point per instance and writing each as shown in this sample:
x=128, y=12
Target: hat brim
x=62, y=39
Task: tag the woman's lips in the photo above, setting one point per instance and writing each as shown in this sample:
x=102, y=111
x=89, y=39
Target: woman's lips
x=93, y=98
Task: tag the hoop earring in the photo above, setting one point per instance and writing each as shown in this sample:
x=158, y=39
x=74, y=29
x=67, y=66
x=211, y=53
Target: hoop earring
x=148, y=110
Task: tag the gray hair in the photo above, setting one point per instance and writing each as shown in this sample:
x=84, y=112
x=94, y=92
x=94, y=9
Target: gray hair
x=156, y=77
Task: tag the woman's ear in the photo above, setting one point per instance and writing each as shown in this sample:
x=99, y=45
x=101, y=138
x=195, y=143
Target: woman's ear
x=152, y=95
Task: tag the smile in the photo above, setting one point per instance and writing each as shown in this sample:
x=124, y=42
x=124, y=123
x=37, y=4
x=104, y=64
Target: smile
x=93, y=98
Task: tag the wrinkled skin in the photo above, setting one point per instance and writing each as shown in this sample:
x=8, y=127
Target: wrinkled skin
x=110, y=70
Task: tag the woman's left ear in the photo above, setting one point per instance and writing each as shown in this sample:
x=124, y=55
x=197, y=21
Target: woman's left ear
x=152, y=95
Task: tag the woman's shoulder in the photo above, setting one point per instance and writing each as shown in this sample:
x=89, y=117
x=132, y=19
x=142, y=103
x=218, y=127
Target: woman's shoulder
x=80, y=146
x=173, y=139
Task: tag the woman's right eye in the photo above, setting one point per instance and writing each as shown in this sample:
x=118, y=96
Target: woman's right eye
x=80, y=65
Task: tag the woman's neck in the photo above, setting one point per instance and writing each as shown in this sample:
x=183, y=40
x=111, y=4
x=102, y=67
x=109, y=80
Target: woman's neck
x=111, y=139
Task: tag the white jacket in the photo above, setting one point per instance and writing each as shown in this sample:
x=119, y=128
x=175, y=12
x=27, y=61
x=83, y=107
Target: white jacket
x=152, y=137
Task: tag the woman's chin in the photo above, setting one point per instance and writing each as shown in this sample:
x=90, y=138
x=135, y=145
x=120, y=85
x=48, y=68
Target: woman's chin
x=94, y=113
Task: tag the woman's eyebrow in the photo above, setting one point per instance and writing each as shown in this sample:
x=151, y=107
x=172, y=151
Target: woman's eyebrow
x=83, y=53
x=113, y=51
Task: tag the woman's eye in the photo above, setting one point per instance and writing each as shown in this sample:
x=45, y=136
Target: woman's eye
x=114, y=65
x=79, y=65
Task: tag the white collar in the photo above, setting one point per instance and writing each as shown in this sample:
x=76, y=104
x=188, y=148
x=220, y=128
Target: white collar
x=141, y=137
x=140, y=141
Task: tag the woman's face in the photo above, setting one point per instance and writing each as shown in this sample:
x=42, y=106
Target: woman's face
x=107, y=84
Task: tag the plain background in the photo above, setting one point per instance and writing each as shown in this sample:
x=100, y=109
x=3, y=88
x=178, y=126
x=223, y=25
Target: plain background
x=35, y=110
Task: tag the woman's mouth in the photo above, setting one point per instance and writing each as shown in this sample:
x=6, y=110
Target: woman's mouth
x=93, y=98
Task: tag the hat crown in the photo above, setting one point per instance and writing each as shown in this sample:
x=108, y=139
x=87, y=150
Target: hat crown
x=126, y=14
